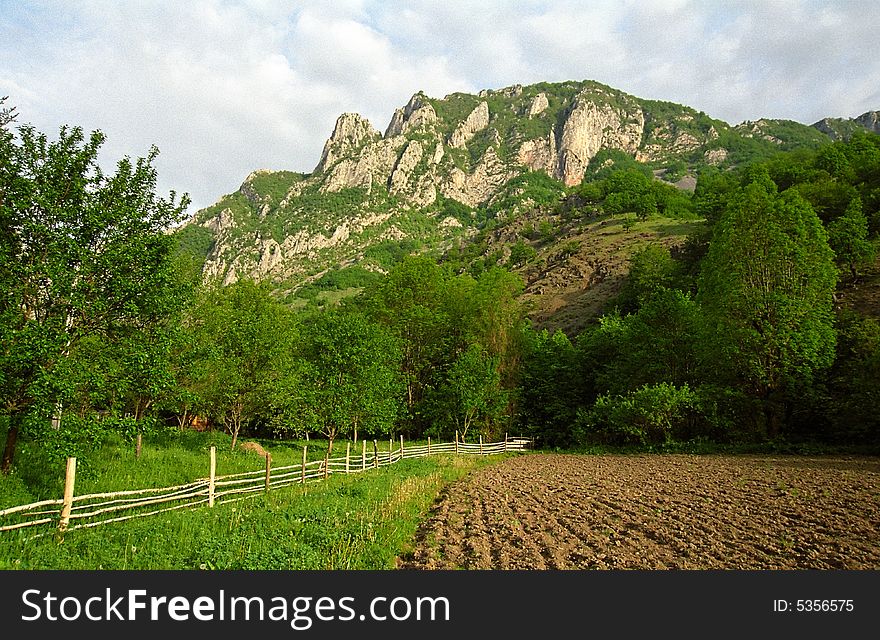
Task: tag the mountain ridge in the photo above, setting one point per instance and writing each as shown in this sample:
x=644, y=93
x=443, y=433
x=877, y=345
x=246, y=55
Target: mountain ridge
x=441, y=165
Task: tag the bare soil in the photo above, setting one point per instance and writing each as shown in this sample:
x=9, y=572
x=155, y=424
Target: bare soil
x=544, y=511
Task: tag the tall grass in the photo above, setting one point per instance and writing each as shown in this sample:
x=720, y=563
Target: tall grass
x=359, y=521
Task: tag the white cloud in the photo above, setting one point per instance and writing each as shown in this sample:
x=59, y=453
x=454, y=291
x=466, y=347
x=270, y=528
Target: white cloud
x=225, y=87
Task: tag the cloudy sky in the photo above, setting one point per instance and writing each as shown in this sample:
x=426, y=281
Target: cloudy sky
x=223, y=87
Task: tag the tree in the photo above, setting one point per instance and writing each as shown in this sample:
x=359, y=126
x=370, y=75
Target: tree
x=848, y=237
x=81, y=254
x=414, y=302
x=351, y=378
x=246, y=337
x=658, y=344
x=550, y=389
x=651, y=269
x=472, y=390
x=766, y=293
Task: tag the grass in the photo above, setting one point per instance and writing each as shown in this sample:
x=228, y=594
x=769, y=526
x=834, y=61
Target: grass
x=360, y=521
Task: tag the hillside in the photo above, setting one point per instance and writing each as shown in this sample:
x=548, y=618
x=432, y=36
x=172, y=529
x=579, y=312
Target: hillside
x=443, y=169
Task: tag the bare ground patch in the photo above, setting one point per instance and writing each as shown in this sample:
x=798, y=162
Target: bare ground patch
x=548, y=511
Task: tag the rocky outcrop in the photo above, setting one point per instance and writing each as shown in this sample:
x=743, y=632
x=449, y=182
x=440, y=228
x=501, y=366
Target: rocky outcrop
x=476, y=121
x=715, y=156
x=870, y=121
x=372, y=163
x=539, y=105
x=351, y=132
x=477, y=187
x=828, y=126
x=417, y=187
x=556, y=129
x=539, y=154
x=592, y=125
x=417, y=114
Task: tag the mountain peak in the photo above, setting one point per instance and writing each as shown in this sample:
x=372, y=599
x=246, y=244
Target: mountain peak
x=351, y=132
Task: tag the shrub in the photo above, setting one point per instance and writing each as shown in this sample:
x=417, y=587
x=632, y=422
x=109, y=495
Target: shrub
x=652, y=414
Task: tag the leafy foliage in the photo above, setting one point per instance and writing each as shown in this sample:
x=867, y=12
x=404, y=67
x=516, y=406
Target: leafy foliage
x=82, y=254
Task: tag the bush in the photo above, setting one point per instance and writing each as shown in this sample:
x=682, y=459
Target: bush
x=520, y=253
x=652, y=414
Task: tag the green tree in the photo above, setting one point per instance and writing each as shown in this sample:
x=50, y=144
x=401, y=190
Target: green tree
x=472, y=390
x=350, y=377
x=520, y=253
x=651, y=269
x=855, y=393
x=246, y=337
x=414, y=301
x=658, y=343
x=550, y=388
x=848, y=237
x=651, y=414
x=766, y=293
x=81, y=254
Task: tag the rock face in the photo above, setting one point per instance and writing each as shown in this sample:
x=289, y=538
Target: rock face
x=539, y=104
x=373, y=162
x=540, y=154
x=351, y=132
x=417, y=114
x=870, y=121
x=476, y=121
x=843, y=128
x=477, y=187
x=591, y=126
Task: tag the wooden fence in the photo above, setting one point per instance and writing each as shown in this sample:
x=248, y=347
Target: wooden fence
x=94, y=509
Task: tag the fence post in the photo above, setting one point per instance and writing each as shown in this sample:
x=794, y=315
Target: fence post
x=375, y=454
x=67, y=504
x=390, y=448
x=212, y=475
x=456, y=441
x=268, y=470
x=505, y=442
x=363, y=455
x=305, y=455
x=481, y=444
x=347, y=456
x=401, y=446
x=429, y=445
x=326, y=463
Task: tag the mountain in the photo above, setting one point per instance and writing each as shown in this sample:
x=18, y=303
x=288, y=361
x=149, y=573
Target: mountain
x=843, y=128
x=450, y=172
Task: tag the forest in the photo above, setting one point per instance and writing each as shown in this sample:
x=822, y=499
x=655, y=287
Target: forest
x=743, y=336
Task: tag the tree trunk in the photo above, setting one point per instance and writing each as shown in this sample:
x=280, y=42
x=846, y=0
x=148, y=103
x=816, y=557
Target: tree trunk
x=9, y=449
x=773, y=415
x=236, y=417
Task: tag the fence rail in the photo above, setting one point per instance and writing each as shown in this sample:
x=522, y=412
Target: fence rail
x=94, y=509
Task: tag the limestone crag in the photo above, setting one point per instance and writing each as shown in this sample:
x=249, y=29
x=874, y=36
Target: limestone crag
x=373, y=163
x=351, y=132
x=591, y=126
x=417, y=114
x=477, y=187
x=870, y=121
x=539, y=154
x=539, y=105
x=476, y=121
x=418, y=187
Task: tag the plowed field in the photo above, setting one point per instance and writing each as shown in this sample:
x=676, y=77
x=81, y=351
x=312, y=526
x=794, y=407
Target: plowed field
x=547, y=511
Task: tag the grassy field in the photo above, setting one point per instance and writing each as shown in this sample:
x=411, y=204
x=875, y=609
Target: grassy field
x=360, y=521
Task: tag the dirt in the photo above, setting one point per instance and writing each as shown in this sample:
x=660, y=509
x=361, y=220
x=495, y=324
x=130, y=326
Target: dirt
x=544, y=511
